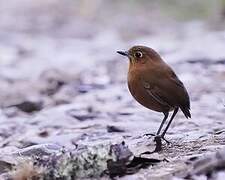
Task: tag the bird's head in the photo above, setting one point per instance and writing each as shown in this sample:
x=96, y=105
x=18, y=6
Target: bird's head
x=141, y=55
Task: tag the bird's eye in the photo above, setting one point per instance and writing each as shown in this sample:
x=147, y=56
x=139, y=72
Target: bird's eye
x=138, y=54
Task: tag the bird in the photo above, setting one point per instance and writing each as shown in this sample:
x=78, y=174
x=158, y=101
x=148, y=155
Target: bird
x=154, y=84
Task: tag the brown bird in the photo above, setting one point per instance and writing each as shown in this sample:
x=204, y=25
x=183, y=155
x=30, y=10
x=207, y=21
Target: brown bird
x=155, y=85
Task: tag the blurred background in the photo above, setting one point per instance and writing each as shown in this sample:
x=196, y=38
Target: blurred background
x=61, y=80
x=59, y=33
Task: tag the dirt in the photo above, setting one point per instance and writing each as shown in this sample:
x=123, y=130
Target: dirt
x=64, y=84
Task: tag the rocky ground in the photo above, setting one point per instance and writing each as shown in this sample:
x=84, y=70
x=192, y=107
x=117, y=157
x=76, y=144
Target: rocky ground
x=66, y=86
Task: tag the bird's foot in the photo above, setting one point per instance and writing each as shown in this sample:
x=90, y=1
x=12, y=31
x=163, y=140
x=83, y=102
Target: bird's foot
x=156, y=137
x=158, y=146
x=158, y=141
x=149, y=134
x=168, y=142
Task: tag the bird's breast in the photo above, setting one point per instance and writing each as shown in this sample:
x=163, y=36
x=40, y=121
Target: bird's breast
x=140, y=94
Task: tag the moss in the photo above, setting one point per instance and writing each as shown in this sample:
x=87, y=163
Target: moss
x=89, y=162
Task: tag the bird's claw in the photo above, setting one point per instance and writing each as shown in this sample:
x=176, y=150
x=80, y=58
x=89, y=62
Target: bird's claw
x=168, y=142
x=157, y=136
x=158, y=140
x=149, y=134
x=147, y=152
x=158, y=146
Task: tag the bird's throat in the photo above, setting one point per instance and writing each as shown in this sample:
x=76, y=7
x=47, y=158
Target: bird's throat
x=132, y=61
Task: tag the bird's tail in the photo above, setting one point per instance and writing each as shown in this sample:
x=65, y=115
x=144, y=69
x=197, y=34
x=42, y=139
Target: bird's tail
x=186, y=112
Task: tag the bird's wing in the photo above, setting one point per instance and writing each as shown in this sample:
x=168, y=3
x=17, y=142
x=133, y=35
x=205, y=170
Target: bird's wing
x=182, y=93
x=169, y=91
x=156, y=94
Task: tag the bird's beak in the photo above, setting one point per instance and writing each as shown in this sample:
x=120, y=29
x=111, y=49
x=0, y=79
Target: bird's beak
x=124, y=53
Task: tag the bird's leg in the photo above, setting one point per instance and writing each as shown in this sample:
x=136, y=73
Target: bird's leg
x=158, y=141
x=158, y=138
x=168, y=125
x=160, y=127
x=162, y=123
x=162, y=136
